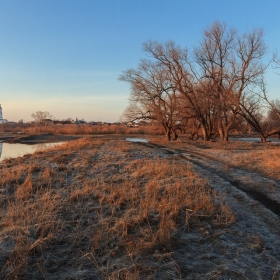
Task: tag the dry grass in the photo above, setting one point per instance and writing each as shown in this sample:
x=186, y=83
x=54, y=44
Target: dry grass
x=78, y=129
x=97, y=209
x=264, y=159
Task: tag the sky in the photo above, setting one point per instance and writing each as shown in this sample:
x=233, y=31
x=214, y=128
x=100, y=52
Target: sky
x=66, y=56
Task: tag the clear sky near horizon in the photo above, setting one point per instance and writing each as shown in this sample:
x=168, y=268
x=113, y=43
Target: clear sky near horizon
x=65, y=56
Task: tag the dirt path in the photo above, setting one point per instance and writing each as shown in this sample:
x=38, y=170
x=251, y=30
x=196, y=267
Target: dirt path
x=261, y=188
x=254, y=240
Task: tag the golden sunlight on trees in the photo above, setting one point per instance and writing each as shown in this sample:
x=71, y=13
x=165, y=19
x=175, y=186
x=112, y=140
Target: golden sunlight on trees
x=230, y=64
x=212, y=86
x=154, y=95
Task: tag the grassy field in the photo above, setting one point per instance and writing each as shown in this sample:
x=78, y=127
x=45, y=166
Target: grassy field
x=102, y=209
x=74, y=129
x=254, y=156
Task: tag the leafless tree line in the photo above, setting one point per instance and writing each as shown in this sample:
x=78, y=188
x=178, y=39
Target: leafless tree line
x=216, y=87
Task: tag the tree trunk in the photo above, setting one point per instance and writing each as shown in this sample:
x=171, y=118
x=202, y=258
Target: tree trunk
x=263, y=138
x=175, y=136
x=225, y=135
x=206, y=134
x=223, y=132
x=168, y=136
x=168, y=133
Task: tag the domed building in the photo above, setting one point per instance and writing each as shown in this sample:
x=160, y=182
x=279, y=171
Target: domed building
x=1, y=116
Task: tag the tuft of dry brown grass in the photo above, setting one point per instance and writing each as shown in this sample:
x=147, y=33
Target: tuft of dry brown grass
x=265, y=161
x=98, y=209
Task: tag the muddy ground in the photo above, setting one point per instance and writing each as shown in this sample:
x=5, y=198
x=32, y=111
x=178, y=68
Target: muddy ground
x=248, y=248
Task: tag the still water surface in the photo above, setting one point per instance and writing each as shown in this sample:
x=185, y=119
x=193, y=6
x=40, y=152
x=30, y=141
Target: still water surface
x=253, y=139
x=8, y=150
x=143, y=140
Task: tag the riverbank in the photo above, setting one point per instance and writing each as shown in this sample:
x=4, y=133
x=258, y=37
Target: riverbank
x=105, y=208
x=36, y=138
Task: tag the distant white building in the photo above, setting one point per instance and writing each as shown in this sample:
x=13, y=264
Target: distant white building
x=1, y=116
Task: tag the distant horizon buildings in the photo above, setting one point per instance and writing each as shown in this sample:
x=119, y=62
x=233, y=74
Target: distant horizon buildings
x=1, y=116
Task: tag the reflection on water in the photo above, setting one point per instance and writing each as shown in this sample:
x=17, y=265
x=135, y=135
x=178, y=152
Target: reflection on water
x=143, y=140
x=245, y=139
x=254, y=139
x=8, y=150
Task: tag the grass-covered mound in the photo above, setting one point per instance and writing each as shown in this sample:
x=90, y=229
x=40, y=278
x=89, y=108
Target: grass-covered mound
x=100, y=209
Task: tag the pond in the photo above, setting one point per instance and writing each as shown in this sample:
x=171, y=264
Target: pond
x=245, y=139
x=8, y=150
x=143, y=140
x=253, y=139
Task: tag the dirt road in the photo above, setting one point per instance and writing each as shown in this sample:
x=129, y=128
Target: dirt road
x=251, y=247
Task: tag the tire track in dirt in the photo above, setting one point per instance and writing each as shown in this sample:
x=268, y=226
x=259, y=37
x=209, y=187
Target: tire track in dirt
x=254, y=221
x=246, y=181
x=260, y=188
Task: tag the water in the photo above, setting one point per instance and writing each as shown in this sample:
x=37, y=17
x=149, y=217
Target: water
x=143, y=140
x=245, y=139
x=254, y=139
x=8, y=150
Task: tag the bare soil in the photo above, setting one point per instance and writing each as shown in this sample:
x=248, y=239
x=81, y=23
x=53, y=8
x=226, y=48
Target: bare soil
x=104, y=208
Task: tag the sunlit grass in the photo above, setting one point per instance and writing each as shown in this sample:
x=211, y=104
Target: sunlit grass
x=97, y=207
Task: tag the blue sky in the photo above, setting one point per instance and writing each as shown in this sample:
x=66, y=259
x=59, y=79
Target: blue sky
x=65, y=56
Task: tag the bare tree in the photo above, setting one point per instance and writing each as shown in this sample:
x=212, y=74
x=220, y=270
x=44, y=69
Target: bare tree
x=253, y=112
x=276, y=61
x=241, y=126
x=194, y=102
x=227, y=66
x=41, y=116
x=231, y=65
x=193, y=128
x=273, y=117
x=274, y=105
x=262, y=114
x=172, y=88
x=152, y=96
